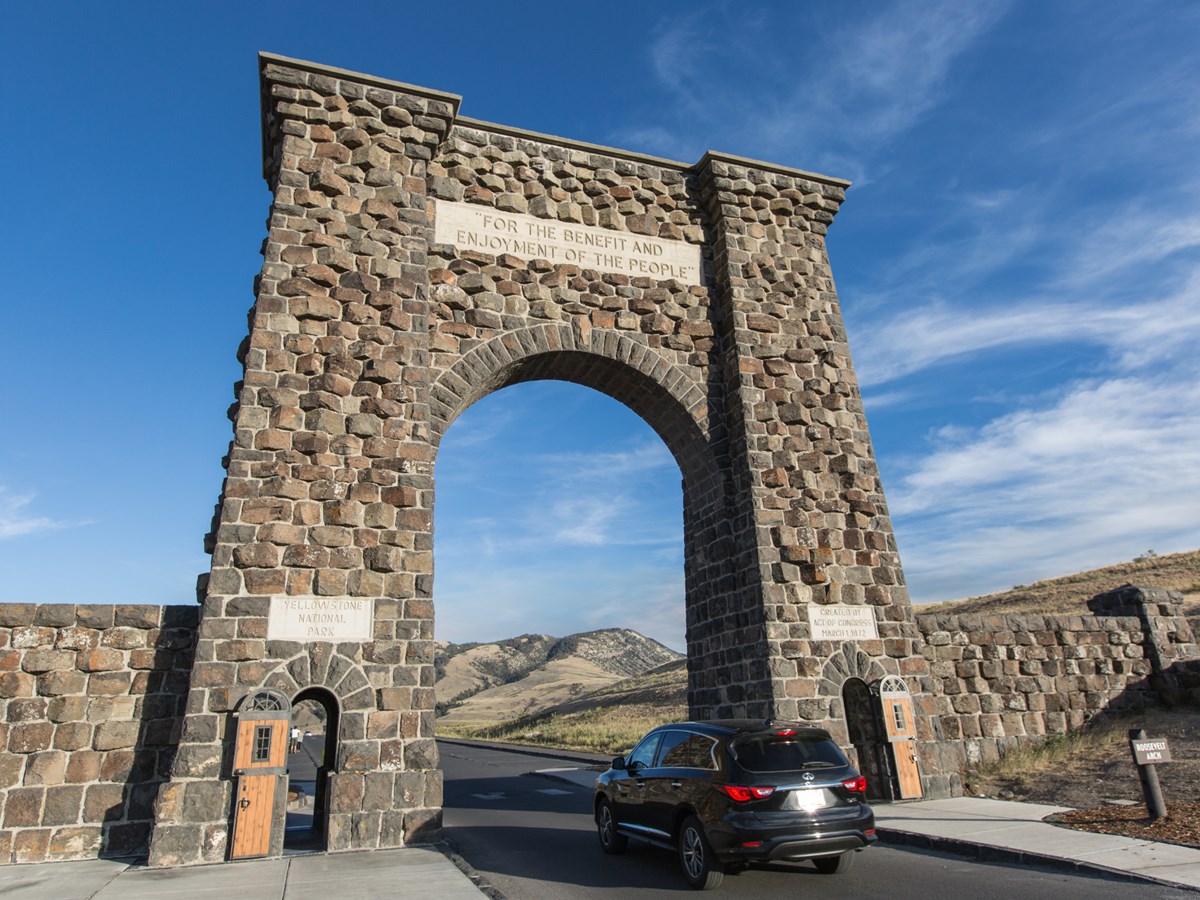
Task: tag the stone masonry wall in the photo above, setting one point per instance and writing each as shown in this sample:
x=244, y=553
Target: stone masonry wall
x=997, y=683
x=92, y=701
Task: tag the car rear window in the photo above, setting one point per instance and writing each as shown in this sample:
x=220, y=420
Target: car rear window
x=772, y=753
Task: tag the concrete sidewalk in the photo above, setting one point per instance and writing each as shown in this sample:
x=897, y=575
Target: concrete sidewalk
x=1004, y=831
x=409, y=872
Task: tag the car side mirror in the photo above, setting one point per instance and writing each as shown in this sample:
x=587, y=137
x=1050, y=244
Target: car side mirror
x=618, y=762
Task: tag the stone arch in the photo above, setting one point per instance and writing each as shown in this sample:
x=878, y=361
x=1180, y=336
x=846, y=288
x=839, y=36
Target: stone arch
x=375, y=325
x=673, y=403
x=667, y=398
x=848, y=662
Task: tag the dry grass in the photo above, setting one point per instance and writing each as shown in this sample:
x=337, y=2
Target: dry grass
x=1068, y=595
x=594, y=731
x=1059, y=752
x=608, y=721
x=1089, y=767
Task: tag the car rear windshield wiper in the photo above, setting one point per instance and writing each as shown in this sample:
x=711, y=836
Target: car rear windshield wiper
x=818, y=764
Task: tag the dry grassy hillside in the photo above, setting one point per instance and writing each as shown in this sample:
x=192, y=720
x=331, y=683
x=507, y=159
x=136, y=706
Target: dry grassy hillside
x=488, y=683
x=608, y=720
x=1068, y=595
x=556, y=682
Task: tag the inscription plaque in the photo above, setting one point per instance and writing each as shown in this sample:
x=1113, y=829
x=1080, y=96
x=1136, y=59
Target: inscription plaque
x=307, y=618
x=471, y=227
x=843, y=623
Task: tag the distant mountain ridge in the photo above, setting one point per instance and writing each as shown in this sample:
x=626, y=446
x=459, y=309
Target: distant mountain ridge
x=488, y=682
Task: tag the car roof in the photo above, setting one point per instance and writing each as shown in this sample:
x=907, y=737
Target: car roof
x=739, y=727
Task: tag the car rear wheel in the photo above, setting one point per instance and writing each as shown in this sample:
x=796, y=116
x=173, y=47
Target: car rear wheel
x=611, y=840
x=834, y=865
x=701, y=869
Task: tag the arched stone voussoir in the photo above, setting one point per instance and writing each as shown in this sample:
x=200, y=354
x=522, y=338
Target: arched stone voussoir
x=849, y=662
x=671, y=400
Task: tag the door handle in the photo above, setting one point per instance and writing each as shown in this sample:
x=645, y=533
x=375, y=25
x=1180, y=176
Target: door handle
x=640, y=782
x=676, y=784
x=244, y=802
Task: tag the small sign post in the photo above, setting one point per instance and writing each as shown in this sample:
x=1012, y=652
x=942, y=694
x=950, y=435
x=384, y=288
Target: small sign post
x=1146, y=753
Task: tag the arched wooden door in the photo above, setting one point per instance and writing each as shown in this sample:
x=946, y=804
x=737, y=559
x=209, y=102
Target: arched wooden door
x=901, y=727
x=260, y=767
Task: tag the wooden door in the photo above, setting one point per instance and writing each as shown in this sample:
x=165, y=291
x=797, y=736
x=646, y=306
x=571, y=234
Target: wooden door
x=259, y=761
x=901, y=728
x=253, y=812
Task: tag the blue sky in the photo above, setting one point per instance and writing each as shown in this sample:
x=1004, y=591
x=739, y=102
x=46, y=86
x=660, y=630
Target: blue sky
x=1018, y=262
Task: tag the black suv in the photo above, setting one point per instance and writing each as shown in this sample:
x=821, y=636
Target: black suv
x=727, y=793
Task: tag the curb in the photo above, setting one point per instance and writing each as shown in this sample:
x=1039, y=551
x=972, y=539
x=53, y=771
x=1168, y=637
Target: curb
x=992, y=853
x=476, y=878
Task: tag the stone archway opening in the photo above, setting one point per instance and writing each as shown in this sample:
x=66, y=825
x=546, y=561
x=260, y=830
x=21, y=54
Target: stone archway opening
x=866, y=737
x=559, y=511
x=677, y=411
x=312, y=755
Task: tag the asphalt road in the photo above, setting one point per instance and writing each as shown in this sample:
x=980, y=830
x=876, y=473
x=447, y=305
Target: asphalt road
x=533, y=838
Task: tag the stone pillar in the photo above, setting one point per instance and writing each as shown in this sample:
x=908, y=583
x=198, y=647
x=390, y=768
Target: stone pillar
x=810, y=522
x=1168, y=640
x=329, y=477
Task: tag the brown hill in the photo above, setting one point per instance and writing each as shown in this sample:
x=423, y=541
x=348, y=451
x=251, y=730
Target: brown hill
x=607, y=720
x=522, y=676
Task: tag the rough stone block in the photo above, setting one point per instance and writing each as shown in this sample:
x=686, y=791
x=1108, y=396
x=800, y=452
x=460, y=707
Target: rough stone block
x=102, y=660
x=46, y=768
x=83, y=766
x=115, y=735
x=63, y=805
x=38, y=661
x=23, y=807
x=31, y=845
x=30, y=738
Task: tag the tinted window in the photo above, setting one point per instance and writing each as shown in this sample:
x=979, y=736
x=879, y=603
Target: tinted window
x=769, y=753
x=643, y=754
x=682, y=749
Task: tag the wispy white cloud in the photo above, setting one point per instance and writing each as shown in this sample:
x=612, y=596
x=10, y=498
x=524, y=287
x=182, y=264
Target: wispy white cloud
x=15, y=520
x=1131, y=287
x=865, y=79
x=1108, y=470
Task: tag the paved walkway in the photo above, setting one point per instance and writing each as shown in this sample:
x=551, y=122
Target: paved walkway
x=411, y=872
x=1004, y=830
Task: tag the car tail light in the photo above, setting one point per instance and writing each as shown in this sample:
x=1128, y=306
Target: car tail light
x=786, y=732
x=856, y=785
x=751, y=844
x=746, y=794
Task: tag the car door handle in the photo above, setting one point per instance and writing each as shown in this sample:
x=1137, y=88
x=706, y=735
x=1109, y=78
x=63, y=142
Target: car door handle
x=641, y=782
x=676, y=784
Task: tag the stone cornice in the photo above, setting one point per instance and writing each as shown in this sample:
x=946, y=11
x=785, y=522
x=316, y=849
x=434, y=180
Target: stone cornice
x=455, y=100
